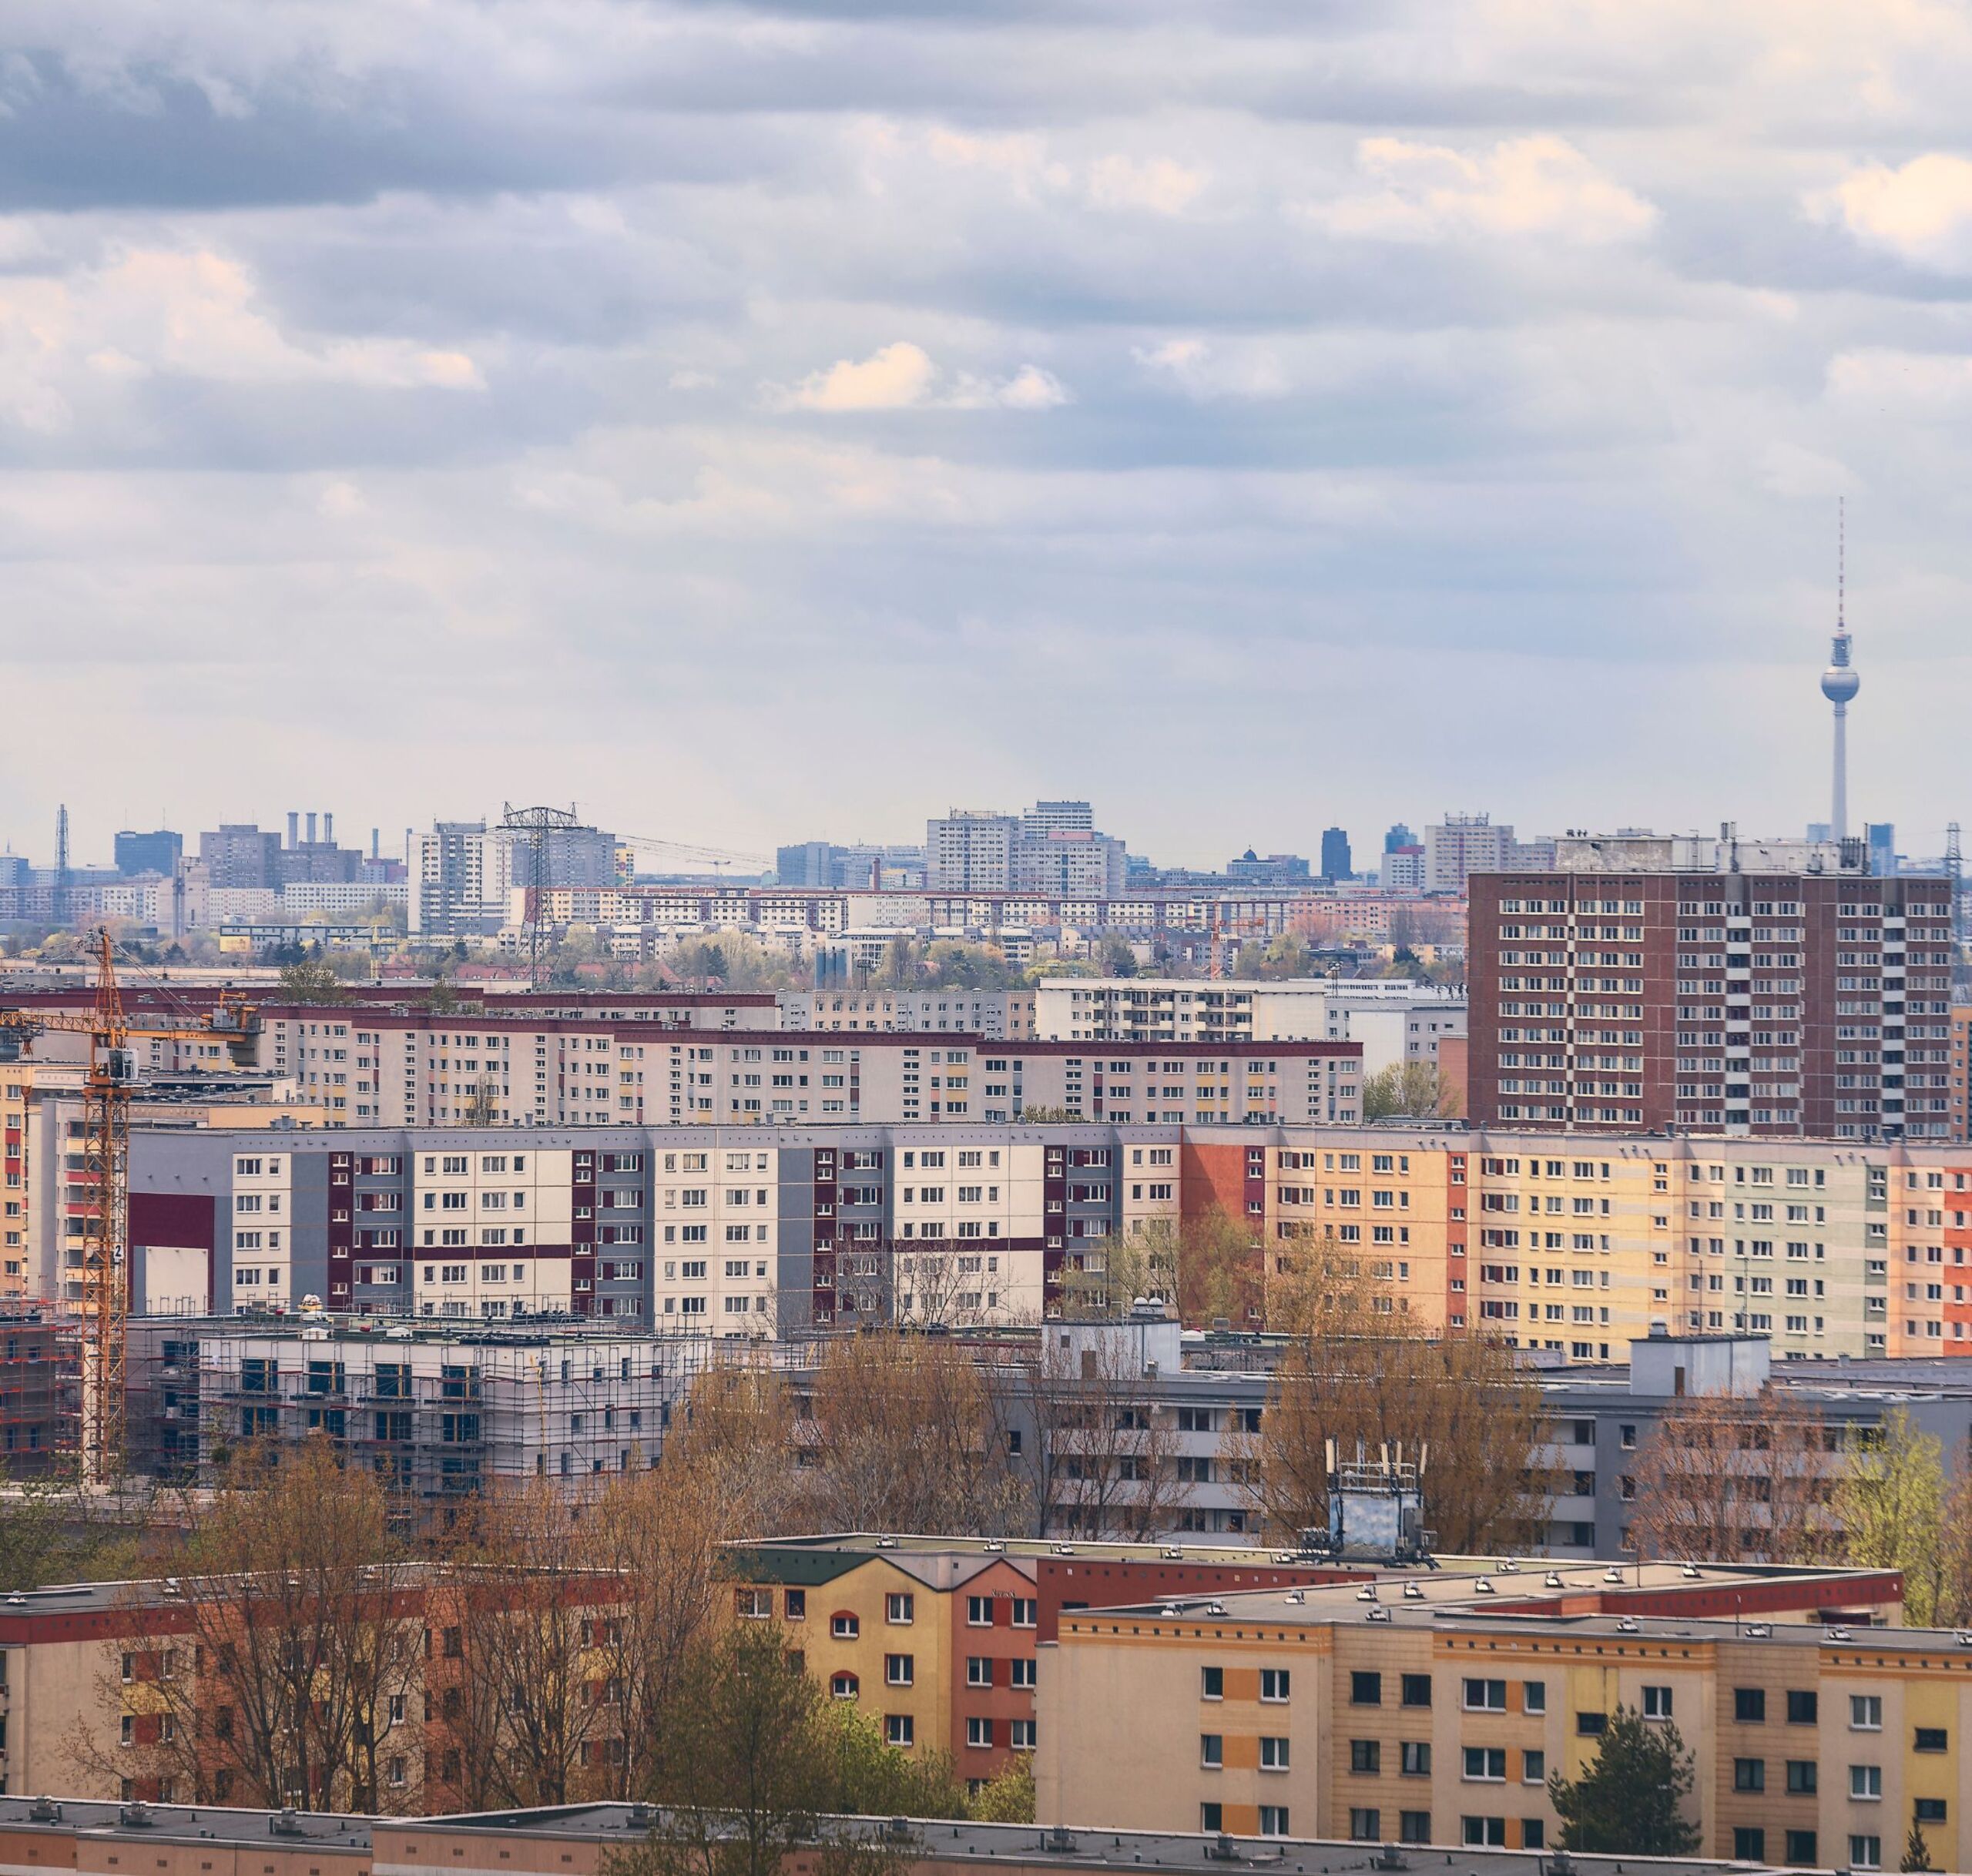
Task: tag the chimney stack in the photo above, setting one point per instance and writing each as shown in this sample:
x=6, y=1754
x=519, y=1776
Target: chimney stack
x=328, y=829
x=293, y=828
x=311, y=827
x=375, y=832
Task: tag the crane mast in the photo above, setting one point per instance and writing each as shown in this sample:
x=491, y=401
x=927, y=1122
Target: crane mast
x=104, y=1190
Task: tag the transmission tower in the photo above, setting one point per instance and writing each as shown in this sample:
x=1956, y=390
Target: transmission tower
x=1954, y=862
x=538, y=824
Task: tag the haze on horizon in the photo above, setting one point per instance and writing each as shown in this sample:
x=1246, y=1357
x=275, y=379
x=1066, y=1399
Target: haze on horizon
x=763, y=422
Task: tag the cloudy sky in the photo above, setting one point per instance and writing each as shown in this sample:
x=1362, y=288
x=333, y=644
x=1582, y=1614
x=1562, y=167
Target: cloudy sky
x=758, y=423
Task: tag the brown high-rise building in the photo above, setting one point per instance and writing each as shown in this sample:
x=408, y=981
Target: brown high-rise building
x=1773, y=1000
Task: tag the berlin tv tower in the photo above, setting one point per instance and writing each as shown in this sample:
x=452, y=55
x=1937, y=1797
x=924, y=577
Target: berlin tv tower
x=1840, y=682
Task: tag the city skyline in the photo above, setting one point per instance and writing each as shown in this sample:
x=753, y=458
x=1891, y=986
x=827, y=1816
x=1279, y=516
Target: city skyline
x=728, y=409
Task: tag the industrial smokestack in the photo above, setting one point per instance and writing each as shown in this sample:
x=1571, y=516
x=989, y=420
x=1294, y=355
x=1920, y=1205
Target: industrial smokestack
x=328, y=829
x=375, y=832
x=311, y=827
x=293, y=827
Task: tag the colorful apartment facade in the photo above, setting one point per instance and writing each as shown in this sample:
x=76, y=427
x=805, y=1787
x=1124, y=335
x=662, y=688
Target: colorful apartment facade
x=1434, y=1713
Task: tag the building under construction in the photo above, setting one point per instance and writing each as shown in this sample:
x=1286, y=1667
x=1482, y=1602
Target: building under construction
x=436, y=1411
x=40, y=1391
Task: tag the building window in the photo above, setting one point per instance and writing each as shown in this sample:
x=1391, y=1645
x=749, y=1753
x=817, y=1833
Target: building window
x=1801, y=1845
x=1366, y=1690
x=1803, y=1706
x=1415, y=1758
x=899, y=1669
x=978, y=1731
x=1750, y=1706
x=1211, y=1683
x=1748, y=1844
x=1273, y=1685
x=844, y=1626
x=1273, y=1820
x=900, y=1730
x=1480, y=1831
x=1657, y=1702
x=1865, y=1713
x=1365, y=1824
x=1365, y=1755
x=1748, y=1774
x=1485, y=1697
x=844, y=1687
x=1211, y=1750
x=1273, y=1755
x=1414, y=1826
x=900, y=1610
x=1415, y=1690
x=1803, y=1777
x=1486, y=1764
x=1865, y=1783
x=1866, y=1853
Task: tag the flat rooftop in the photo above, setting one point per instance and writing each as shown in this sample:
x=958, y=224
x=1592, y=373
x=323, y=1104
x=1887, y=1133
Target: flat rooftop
x=189, y=1824
x=1075, y=1847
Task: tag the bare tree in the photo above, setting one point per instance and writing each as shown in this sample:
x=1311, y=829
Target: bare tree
x=1363, y=1374
x=282, y=1667
x=1098, y=1453
x=1744, y=1478
x=898, y=1439
x=524, y=1699
x=659, y=1537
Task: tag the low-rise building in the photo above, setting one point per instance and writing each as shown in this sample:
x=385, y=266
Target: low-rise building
x=1436, y=1713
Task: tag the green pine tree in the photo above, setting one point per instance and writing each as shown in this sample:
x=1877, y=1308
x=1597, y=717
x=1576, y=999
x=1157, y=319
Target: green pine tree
x=1629, y=1802
x=1917, y=1852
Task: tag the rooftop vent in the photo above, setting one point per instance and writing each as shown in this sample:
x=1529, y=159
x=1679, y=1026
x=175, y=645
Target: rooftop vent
x=1413, y=1592
x=286, y=1822
x=136, y=1817
x=44, y=1811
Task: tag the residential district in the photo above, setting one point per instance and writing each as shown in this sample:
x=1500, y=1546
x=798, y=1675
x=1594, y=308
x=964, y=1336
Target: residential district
x=555, y=1349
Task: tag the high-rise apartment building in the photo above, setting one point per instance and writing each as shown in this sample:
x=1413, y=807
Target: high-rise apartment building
x=971, y=850
x=1461, y=845
x=1335, y=863
x=1769, y=1002
x=465, y=874
x=1053, y=848
x=238, y=854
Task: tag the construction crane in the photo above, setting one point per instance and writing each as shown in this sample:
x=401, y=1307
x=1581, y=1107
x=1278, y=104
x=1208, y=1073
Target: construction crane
x=108, y=1085
x=1220, y=928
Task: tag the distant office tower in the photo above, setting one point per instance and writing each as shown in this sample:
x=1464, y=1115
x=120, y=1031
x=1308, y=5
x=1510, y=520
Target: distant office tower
x=463, y=874
x=159, y=852
x=1765, y=1001
x=810, y=864
x=1881, y=837
x=1399, y=837
x=1335, y=854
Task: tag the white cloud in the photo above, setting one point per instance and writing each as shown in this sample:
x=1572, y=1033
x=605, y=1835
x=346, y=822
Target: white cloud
x=901, y=376
x=1156, y=183
x=1921, y=212
x=1532, y=186
x=176, y=313
x=892, y=379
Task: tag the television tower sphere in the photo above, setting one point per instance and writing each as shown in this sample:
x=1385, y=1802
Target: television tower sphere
x=1840, y=683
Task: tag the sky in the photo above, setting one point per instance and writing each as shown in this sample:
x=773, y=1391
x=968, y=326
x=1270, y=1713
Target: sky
x=757, y=423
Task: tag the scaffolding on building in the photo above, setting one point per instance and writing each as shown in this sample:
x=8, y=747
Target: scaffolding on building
x=40, y=1390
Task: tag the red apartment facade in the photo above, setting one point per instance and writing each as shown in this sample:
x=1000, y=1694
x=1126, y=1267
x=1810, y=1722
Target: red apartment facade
x=1781, y=1005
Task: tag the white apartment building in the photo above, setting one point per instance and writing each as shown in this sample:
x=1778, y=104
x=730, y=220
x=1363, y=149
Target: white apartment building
x=997, y=1013
x=1180, y=1009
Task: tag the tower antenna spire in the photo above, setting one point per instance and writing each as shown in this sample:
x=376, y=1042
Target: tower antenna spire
x=1840, y=681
